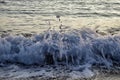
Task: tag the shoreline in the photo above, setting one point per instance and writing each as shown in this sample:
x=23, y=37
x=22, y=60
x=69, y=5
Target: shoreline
x=15, y=72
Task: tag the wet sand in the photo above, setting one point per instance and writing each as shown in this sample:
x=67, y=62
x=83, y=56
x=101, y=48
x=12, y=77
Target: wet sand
x=15, y=72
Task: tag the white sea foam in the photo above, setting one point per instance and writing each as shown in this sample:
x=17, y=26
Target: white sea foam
x=76, y=47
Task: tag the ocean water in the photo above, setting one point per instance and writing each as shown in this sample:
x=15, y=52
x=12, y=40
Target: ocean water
x=76, y=8
x=33, y=16
x=72, y=47
x=79, y=50
x=77, y=33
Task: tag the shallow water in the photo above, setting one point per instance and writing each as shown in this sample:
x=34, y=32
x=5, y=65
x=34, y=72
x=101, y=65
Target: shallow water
x=22, y=16
x=15, y=72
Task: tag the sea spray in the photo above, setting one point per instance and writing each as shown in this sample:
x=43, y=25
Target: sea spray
x=73, y=47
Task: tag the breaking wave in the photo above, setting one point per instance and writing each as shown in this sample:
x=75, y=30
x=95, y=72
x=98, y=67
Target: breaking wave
x=73, y=47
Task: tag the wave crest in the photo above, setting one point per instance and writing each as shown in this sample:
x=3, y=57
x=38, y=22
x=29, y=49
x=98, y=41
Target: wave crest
x=76, y=47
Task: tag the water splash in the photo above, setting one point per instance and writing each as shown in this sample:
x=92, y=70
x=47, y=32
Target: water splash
x=74, y=47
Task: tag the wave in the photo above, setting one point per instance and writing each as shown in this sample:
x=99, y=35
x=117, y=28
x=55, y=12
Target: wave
x=73, y=47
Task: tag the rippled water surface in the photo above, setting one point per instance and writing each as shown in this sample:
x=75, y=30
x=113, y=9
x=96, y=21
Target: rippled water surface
x=74, y=8
x=35, y=15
